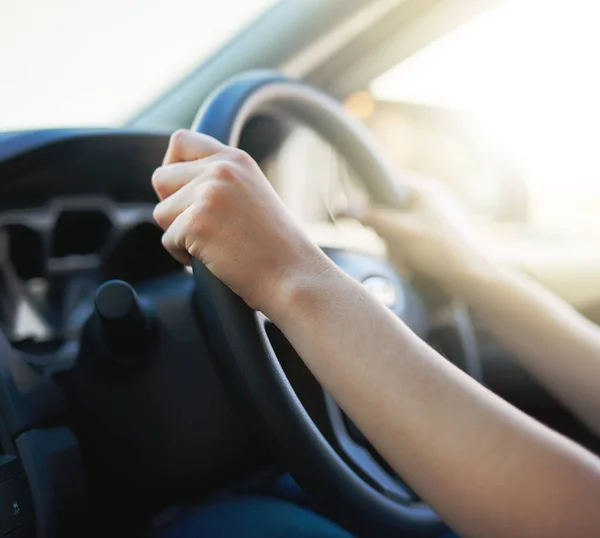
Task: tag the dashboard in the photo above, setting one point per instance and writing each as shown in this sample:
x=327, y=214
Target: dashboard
x=59, y=253
x=75, y=210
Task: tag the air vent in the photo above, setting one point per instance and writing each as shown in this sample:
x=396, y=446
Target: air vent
x=139, y=255
x=80, y=232
x=26, y=251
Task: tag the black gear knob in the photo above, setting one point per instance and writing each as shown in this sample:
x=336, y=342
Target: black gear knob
x=124, y=326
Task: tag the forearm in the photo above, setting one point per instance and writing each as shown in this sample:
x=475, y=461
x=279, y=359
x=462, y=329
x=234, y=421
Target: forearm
x=485, y=467
x=548, y=337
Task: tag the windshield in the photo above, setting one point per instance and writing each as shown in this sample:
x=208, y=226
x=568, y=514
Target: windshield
x=74, y=63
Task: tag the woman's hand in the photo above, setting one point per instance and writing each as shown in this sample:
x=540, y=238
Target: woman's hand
x=217, y=206
x=433, y=235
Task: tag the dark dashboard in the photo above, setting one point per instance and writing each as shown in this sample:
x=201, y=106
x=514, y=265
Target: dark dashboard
x=37, y=166
x=76, y=211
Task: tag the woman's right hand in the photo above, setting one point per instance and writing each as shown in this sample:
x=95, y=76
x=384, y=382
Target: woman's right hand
x=433, y=236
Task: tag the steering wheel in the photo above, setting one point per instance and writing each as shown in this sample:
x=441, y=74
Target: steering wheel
x=355, y=490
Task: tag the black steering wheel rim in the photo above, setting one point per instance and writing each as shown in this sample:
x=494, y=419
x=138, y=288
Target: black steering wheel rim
x=237, y=337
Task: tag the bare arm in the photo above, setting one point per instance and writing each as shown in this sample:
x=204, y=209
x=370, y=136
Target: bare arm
x=553, y=341
x=548, y=337
x=488, y=469
x=485, y=467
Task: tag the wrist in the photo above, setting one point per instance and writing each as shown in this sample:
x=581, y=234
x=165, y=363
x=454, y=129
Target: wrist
x=300, y=288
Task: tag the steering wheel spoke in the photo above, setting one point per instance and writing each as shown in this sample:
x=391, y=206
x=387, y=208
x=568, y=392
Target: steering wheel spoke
x=356, y=452
x=342, y=434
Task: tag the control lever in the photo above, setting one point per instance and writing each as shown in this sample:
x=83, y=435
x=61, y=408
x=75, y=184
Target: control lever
x=127, y=331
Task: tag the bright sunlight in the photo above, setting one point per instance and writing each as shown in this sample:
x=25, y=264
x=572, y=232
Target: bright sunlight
x=527, y=71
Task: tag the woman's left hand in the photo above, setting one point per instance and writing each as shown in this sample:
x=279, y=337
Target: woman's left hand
x=217, y=206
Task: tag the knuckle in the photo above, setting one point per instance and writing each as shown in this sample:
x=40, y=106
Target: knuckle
x=241, y=157
x=158, y=178
x=198, y=224
x=224, y=170
x=178, y=137
x=159, y=214
x=215, y=195
x=167, y=241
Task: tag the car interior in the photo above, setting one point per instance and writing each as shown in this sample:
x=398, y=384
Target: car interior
x=131, y=386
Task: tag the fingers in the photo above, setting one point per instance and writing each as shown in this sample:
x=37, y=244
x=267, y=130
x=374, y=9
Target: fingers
x=169, y=179
x=185, y=145
x=180, y=164
x=189, y=211
x=171, y=207
x=174, y=239
x=203, y=189
x=195, y=186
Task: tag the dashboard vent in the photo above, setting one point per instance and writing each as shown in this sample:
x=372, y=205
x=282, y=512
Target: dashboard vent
x=26, y=251
x=80, y=232
x=139, y=255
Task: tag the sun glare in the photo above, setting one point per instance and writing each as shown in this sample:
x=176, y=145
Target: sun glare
x=526, y=72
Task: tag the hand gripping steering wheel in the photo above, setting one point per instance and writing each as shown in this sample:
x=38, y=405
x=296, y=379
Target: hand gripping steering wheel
x=369, y=499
